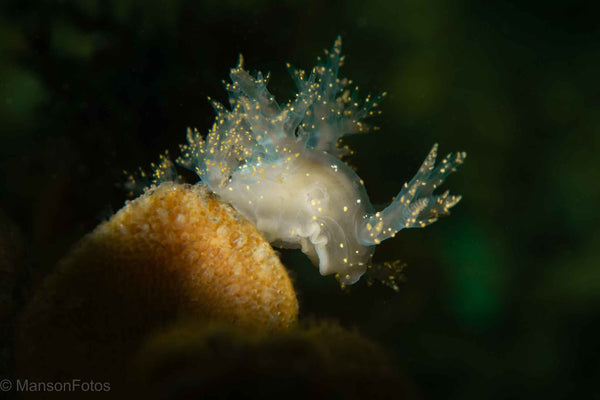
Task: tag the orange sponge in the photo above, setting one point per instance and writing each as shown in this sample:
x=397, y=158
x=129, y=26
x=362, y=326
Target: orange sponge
x=174, y=252
x=313, y=361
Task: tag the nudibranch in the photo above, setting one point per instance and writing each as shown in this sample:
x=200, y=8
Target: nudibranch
x=281, y=168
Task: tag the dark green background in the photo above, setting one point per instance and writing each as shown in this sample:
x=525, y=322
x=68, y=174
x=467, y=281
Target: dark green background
x=502, y=298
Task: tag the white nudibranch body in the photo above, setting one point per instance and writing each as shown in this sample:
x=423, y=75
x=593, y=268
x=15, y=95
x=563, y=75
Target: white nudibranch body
x=280, y=167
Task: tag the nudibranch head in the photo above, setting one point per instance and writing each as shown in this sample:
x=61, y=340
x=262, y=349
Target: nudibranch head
x=280, y=167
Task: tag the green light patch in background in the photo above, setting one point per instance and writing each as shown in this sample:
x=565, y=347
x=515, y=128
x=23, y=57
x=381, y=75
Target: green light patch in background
x=476, y=274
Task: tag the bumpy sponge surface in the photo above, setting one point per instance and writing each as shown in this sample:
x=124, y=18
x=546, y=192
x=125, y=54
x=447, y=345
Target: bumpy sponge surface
x=175, y=252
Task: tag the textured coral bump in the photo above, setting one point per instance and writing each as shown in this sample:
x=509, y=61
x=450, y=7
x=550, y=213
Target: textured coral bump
x=175, y=252
x=199, y=254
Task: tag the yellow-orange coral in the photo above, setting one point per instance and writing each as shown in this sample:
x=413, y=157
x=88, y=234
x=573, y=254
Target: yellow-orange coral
x=173, y=252
x=315, y=361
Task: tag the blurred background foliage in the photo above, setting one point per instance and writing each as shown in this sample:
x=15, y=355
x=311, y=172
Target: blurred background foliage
x=502, y=299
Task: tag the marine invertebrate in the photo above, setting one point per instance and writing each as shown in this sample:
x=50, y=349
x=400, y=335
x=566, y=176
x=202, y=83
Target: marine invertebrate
x=280, y=167
x=174, y=252
x=315, y=360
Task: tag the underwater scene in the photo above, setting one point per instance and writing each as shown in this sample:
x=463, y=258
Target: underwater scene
x=299, y=199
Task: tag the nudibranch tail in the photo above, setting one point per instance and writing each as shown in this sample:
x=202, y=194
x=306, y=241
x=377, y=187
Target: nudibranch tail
x=415, y=206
